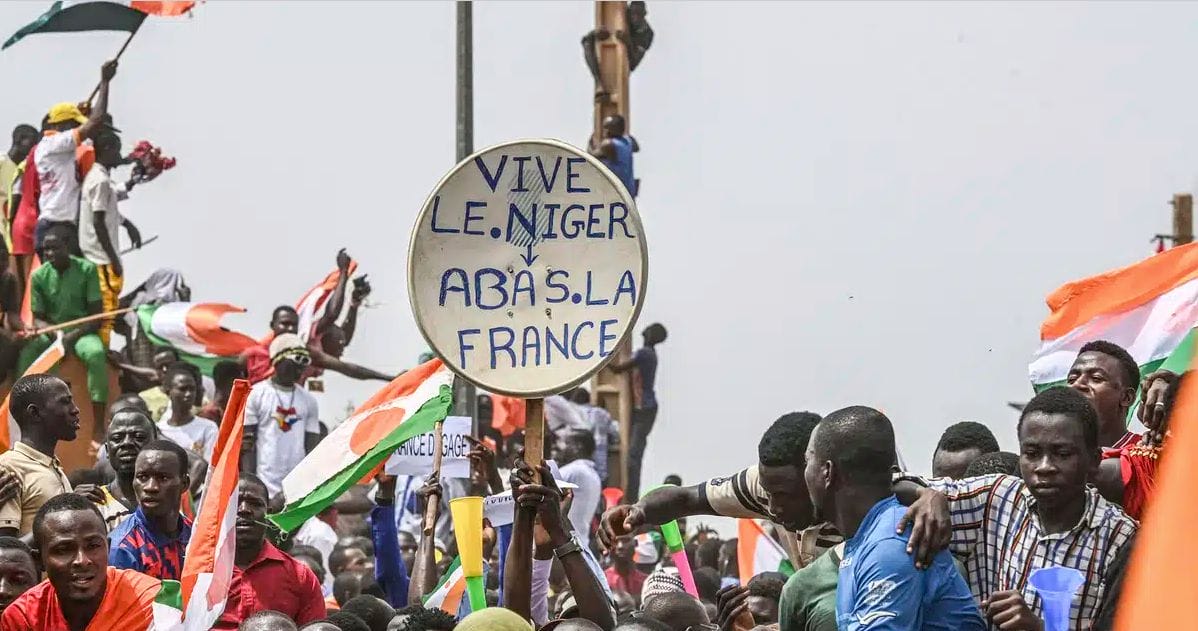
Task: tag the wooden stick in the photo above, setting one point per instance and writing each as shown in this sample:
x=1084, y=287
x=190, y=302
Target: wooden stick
x=70, y=323
x=119, y=53
x=534, y=432
x=430, y=511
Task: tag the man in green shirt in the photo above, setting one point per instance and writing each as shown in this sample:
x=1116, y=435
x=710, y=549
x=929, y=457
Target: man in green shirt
x=66, y=288
x=809, y=598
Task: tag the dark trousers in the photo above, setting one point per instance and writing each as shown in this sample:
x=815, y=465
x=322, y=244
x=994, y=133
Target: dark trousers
x=642, y=424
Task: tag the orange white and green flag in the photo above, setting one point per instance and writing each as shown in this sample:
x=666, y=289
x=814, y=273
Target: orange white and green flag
x=447, y=595
x=1149, y=308
x=757, y=552
x=194, y=330
x=208, y=563
x=9, y=432
x=408, y=406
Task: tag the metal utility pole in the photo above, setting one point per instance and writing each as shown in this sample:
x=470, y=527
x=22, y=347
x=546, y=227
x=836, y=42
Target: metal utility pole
x=465, y=79
x=465, y=399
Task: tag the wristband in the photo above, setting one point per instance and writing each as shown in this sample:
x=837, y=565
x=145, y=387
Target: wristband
x=569, y=547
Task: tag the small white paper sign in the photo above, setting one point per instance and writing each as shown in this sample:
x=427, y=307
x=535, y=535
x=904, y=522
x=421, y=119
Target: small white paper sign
x=415, y=456
x=500, y=509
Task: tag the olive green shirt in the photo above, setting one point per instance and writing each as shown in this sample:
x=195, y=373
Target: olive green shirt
x=64, y=296
x=809, y=597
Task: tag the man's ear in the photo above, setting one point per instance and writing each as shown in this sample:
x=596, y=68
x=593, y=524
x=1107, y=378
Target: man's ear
x=1129, y=396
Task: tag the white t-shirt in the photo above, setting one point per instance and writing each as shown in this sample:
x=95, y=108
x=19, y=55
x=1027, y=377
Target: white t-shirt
x=198, y=435
x=99, y=195
x=58, y=175
x=280, y=436
x=586, y=496
x=321, y=536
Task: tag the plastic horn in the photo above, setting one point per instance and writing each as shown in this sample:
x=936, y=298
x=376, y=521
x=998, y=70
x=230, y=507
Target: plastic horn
x=467, y=515
x=677, y=552
x=612, y=496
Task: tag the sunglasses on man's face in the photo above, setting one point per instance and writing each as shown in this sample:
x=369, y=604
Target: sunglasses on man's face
x=301, y=359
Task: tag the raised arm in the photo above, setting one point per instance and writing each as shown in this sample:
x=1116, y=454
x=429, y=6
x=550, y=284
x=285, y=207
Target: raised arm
x=517, y=570
x=424, y=570
x=356, y=297
x=100, y=110
x=332, y=309
x=593, y=603
x=389, y=570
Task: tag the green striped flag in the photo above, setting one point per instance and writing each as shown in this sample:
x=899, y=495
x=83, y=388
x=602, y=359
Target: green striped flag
x=447, y=595
x=193, y=329
x=408, y=406
x=66, y=16
x=1149, y=308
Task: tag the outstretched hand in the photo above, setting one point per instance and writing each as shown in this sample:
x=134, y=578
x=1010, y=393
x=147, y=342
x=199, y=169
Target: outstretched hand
x=618, y=521
x=108, y=70
x=343, y=260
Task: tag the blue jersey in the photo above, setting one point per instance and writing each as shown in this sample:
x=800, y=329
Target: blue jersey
x=622, y=164
x=880, y=589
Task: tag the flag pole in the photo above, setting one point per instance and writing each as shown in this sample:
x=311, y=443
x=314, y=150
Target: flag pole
x=96, y=90
x=430, y=511
x=70, y=323
x=143, y=244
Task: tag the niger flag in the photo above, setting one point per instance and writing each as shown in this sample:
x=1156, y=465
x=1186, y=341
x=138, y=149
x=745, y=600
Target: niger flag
x=1161, y=582
x=208, y=564
x=408, y=406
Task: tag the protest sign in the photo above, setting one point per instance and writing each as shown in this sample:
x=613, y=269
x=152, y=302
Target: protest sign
x=500, y=509
x=527, y=267
x=415, y=455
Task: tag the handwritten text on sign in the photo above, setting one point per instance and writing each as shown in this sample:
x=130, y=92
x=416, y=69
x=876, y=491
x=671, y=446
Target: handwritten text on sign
x=527, y=267
x=415, y=455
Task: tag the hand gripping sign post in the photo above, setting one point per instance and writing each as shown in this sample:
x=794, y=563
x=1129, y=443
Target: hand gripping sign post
x=526, y=270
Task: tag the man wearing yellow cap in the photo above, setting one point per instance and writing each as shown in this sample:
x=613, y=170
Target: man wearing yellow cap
x=55, y=163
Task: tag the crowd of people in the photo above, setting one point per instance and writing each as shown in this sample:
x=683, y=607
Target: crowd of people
x=868, y=545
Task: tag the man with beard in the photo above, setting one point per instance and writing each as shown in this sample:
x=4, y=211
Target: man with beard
x=80, y=591
x=264, y=576
x=46, y=413
x=128, y=432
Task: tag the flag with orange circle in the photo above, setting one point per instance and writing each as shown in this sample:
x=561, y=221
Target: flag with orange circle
x=408, y=406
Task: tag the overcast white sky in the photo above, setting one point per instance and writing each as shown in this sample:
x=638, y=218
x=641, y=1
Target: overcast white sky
x=845, y=203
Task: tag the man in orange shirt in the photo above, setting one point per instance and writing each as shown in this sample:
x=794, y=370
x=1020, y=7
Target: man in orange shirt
x=81, y=592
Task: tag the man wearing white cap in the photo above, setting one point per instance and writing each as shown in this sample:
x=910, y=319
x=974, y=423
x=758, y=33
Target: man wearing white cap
x=283, y=416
